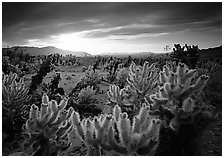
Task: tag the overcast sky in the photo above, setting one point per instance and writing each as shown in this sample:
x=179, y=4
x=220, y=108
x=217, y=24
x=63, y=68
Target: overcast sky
x=111, y=27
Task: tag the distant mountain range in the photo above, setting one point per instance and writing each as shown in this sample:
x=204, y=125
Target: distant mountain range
x=49, y=50
x=215, y=53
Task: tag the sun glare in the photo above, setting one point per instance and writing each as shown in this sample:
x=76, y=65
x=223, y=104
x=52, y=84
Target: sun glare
x=72, y=42
x=76, y=42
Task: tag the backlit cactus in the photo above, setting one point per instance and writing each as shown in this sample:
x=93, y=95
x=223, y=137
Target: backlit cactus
x=137, y=137
x=175, y=93
x=117, y=96
x=142, y=80
x=14, y=96
x=48, y=127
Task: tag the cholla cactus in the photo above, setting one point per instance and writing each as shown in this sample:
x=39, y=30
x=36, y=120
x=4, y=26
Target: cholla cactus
x=49, y=126
x=175, y=94
x=117, y=96
x=14, y=96
x=139, y=138
x=142, y=79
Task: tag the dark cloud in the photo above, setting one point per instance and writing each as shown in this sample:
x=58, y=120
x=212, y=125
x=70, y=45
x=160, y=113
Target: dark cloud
x=22, y=21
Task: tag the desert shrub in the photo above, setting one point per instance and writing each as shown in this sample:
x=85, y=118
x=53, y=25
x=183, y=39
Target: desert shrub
x=86, y=103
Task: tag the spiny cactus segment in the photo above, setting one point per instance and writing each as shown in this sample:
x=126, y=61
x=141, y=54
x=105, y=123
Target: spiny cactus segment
x=49, y=125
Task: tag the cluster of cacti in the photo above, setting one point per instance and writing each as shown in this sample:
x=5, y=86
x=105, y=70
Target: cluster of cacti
x=49, y=126
x=167, y=93
x=116, y=134
x=175, y=94
x=149, y=100
x=141, y=81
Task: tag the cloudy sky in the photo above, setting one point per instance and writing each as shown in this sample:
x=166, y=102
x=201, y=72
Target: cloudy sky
x=111, y=27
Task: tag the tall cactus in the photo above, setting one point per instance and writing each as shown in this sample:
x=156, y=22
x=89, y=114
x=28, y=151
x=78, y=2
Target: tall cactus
x=141, y=137
x=14, y=97
x=142, y=80
x=175, y=94
x=48, y=127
